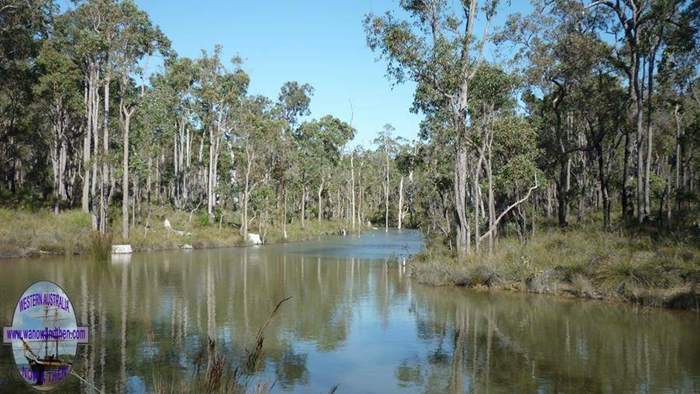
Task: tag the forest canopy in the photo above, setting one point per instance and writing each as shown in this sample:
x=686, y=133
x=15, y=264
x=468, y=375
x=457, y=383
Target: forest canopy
x=595, y=112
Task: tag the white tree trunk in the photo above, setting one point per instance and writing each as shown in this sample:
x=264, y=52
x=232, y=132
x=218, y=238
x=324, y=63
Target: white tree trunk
x=352, y=188
x=125, y=174
x=386, y=196
x=320, y=206
x=400, y=213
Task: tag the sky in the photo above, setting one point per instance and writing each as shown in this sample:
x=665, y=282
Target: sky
x=320, y=42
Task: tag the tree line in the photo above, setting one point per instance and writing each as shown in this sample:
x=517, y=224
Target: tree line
x=86, y=124
x=597, y=102
x=594, y=111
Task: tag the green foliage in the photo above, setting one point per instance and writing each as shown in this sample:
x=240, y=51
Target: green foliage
x=203, y=219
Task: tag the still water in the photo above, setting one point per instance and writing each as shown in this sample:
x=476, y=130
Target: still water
x=355, y=320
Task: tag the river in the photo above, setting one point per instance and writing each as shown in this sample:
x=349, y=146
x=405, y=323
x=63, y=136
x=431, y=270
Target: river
x=355, y=320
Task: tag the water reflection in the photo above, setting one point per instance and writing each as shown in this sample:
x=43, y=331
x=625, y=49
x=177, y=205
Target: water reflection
x=355, y=320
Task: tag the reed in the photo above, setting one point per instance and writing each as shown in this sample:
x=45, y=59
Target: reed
x=219, y=375
x=100, y=246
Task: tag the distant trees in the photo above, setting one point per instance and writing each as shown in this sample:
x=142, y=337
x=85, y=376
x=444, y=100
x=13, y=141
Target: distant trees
x=597, y=113
x=440, y=51
x=386, y=144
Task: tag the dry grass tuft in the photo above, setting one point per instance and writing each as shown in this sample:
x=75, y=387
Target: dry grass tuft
x=583, y=262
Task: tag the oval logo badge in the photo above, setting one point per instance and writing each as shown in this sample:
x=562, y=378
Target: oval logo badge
x=44, y=335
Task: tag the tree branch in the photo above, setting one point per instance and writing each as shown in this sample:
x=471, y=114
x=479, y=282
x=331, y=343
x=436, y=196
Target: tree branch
x=515, y=204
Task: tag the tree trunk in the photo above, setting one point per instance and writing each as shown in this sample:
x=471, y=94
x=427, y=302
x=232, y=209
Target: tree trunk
x=125, y=174
x=602, y=178
x=352, y=188
x=359, y=199
x=246, y=194
x=678, y=188
x=492, y=202
x=400, y=213
x=562, y=196
x=460, y=179
x=303, y=206
x=320, y=207
x=386, y=195
x=210, y=168
x=104, y=203
x=639, y=123
x=477, y=202
x=284, y=216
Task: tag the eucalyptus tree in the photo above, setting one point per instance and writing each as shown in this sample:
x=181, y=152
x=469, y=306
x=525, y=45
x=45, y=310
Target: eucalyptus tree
x=217, y=91
x=679, y=95
x=93, y=34
x=293, y=102
x=58, y=88
x=254, y=131
x=387, y=145
x=175, y=88
x=320, y=143
x=138, y=39
x=405, y=166
x=23, y=26
x=492, y=107
x=639, y=28
x=558, y=49
x=602, y=103
x=437, y=48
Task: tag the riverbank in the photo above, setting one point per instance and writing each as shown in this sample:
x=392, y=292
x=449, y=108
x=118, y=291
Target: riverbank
x=583, y=263
x=27, y=234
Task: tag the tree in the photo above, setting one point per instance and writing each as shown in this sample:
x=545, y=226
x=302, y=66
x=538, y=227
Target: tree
x=438, y=50
x=58, y=86
x=387, y=145
x=293, y=103
x=254, y=131
x=561, y=50
x=138, y=38
x=320, y=142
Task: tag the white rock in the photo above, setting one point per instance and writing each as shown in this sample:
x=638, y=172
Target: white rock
x=121, y=249
x=169, y=227
x=120, y=258
x=254, y=239
x=186, y=246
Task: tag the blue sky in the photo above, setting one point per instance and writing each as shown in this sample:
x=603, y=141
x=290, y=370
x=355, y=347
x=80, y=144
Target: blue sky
x=321, y=42
x=317, y=42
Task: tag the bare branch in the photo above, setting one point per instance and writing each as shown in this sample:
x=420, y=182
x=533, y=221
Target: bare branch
x=515, y=204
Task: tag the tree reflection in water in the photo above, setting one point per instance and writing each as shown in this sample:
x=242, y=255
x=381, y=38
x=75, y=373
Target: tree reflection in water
x=361, y=324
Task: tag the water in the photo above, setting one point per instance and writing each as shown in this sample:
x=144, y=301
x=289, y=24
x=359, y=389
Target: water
x=355, y=320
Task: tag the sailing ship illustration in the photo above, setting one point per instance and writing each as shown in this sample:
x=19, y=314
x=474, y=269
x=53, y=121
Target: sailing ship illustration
x=50, y=364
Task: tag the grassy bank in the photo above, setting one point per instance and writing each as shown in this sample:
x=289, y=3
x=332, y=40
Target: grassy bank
x=582, y=262
x=28, y=233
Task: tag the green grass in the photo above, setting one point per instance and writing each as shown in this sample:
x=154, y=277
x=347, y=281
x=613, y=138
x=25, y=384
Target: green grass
x=31, y=233
x=27, y=233
x=582, y=262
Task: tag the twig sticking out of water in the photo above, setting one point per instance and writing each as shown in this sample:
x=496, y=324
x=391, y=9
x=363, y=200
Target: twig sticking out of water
x=255, y=355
